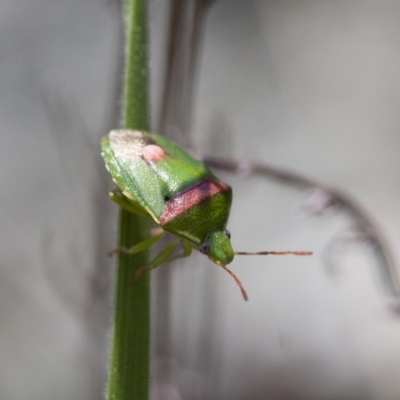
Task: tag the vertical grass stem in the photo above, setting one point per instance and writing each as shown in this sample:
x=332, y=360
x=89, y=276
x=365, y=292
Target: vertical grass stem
x=130, y=347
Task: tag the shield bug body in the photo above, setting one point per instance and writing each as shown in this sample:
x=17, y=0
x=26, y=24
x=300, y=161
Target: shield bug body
x=160, y=180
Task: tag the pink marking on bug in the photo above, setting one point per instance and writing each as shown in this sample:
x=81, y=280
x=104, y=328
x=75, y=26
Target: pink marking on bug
x=190, y=197
x=153, y=153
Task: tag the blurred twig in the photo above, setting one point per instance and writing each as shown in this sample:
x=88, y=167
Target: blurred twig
x=183, y=46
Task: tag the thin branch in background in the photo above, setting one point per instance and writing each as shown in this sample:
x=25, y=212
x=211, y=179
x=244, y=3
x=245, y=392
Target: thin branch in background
x=322, y=197
x=184, y=40
x=185, y=30
x=201, y=9
x=173, y=80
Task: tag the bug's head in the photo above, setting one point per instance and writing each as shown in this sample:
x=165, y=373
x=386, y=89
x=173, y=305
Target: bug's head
x=217, y=246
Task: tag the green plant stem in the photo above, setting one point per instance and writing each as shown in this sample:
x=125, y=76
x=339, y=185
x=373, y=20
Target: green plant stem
x=130, y=353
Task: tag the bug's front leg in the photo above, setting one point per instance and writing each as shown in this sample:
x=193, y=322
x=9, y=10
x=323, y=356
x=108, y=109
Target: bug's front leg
x=144, y=245
x=130, y=205
x=165, y=256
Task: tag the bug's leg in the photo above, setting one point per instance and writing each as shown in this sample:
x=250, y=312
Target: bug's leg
x=161, y=258
x=137, y=248
x=127, y=204
x=187, y=251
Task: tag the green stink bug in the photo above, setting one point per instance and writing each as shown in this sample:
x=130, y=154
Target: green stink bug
x=158, y=179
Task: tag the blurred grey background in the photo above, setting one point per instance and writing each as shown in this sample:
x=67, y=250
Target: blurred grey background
x=310, y=86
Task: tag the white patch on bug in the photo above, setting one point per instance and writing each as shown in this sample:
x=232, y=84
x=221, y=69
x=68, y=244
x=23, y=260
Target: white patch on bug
x=127, y=143
x=153, y=153
x=128, y=195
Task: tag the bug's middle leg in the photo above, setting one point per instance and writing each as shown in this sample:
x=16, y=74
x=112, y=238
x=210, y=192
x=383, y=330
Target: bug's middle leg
x=137, y=248
x=165, y=256
x=130, y=205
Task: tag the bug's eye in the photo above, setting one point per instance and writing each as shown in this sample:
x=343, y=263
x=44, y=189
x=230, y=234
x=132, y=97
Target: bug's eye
x=227, y=233
x=205, y=248
x=167, y=199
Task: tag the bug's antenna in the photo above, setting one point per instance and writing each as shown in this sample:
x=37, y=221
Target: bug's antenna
x=244, y=294
x=274, y=253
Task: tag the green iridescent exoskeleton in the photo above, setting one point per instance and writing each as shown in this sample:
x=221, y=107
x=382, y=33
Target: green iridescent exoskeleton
x=158, y=179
